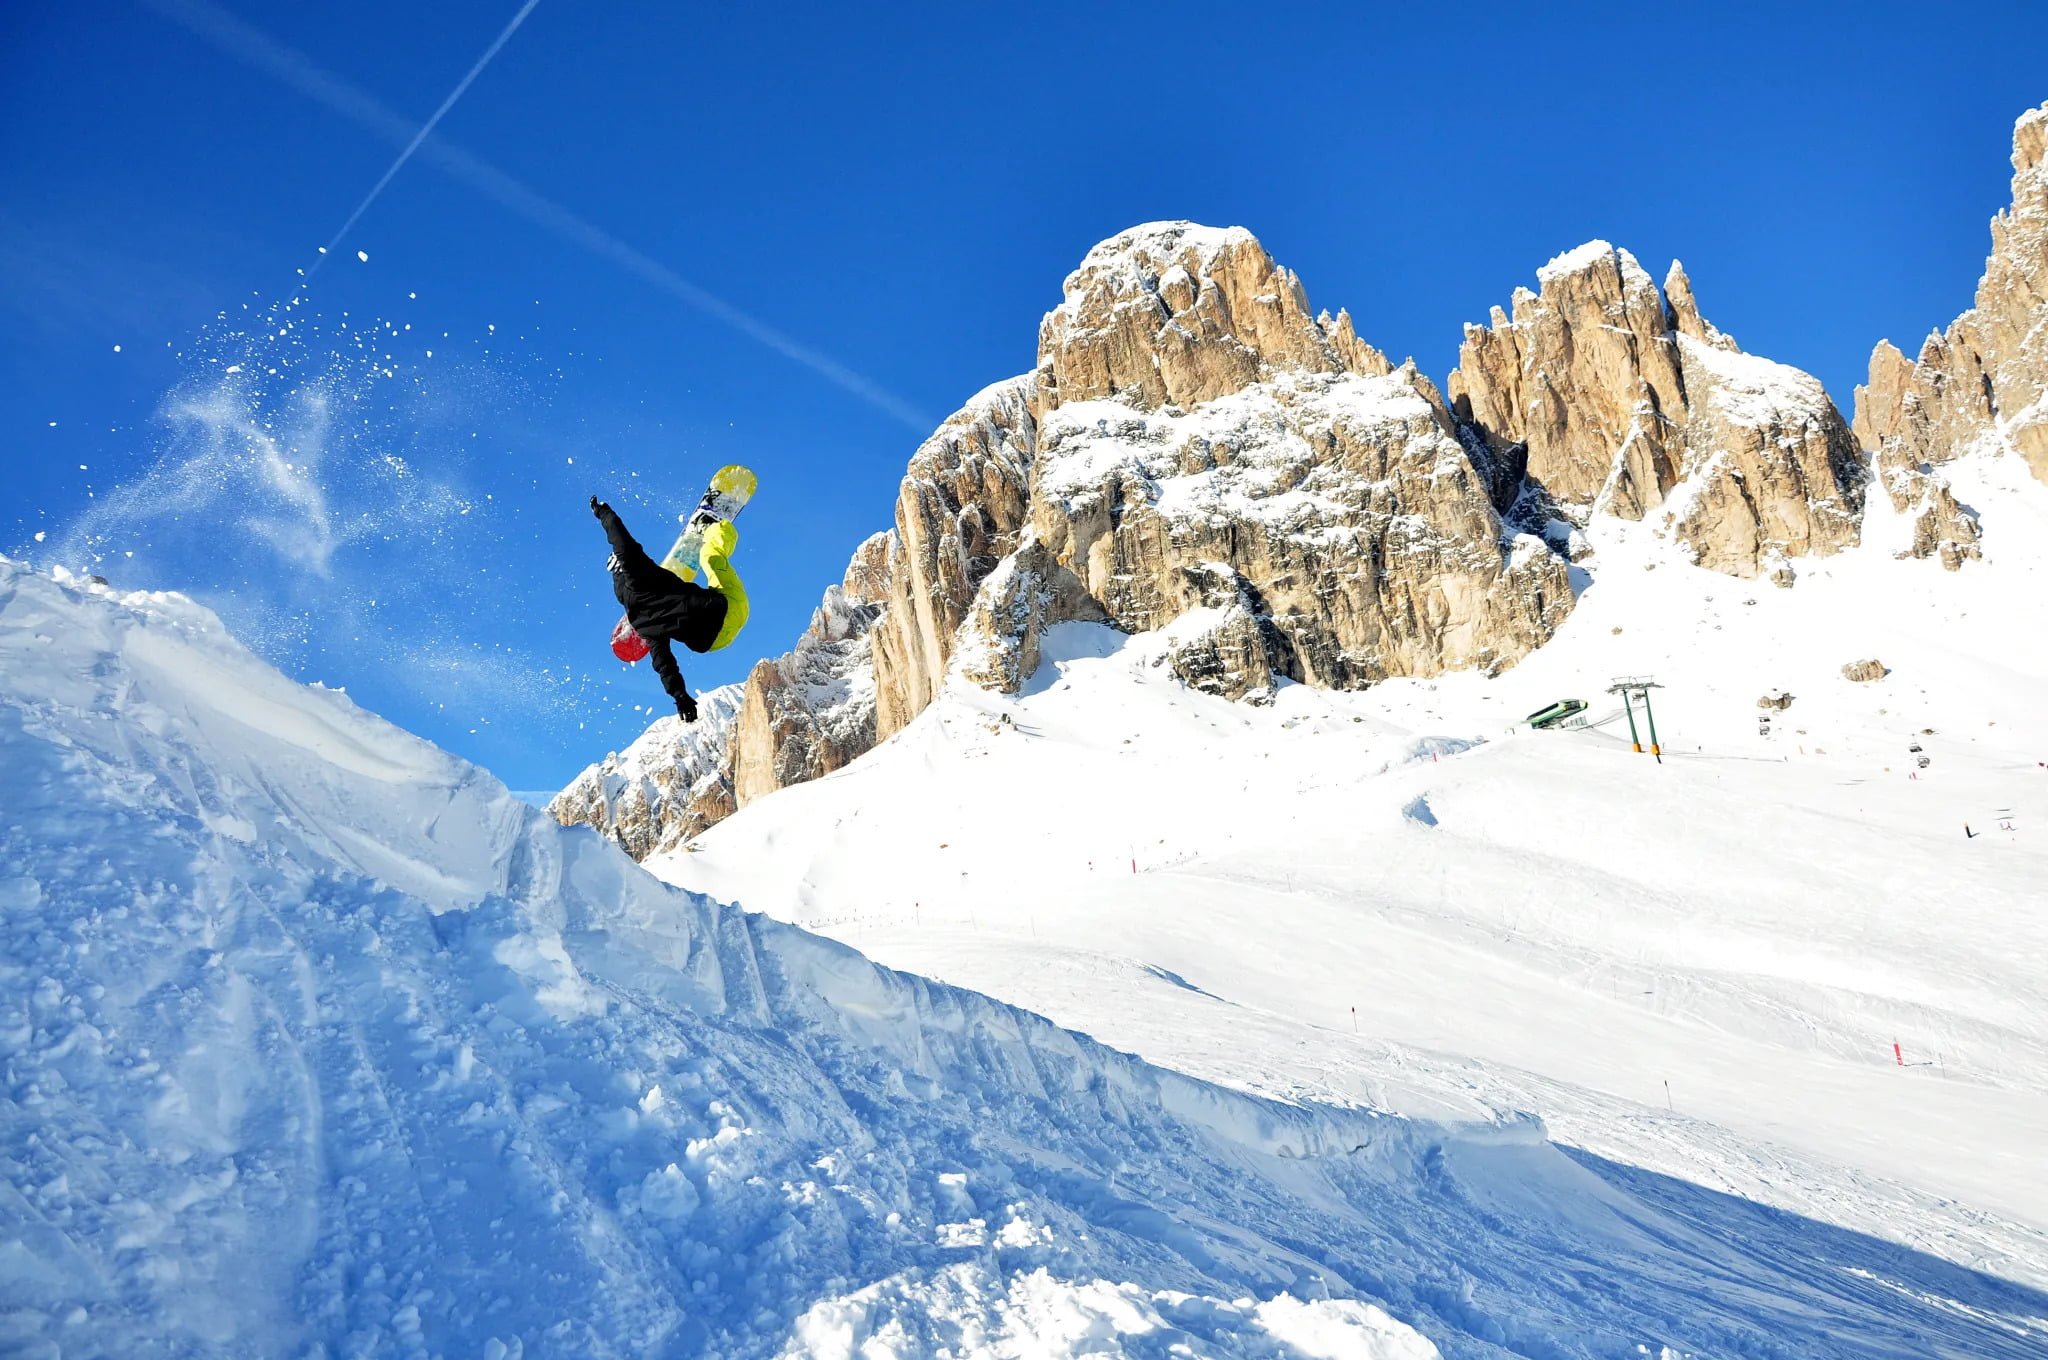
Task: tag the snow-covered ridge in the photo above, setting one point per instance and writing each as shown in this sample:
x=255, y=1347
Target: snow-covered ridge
x=1579, y=257
x=1635, y=280
x=1756, y=391
x=326, y=1036
x=1153, y=245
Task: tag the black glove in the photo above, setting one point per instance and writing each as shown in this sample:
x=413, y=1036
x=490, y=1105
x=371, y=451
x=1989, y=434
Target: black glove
x=686, y=709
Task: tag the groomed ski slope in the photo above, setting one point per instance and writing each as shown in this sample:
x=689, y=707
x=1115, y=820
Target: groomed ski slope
x=1400, y=900
x=317, y=1041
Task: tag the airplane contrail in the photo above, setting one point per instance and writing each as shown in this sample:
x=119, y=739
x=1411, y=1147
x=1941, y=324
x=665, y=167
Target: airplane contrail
x=294, y=69
x=428, y=126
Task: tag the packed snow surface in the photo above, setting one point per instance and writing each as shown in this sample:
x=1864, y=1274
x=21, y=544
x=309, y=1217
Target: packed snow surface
x=316, y=1041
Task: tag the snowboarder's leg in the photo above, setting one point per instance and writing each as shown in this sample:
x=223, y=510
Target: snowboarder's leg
x=626, y=550
x=720, y=540
x=630, y=562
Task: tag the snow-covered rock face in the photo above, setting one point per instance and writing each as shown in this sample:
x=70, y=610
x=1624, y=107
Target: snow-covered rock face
x=670, y=784
x=1771, y=471
x=1902, y=416
x=1980, y=386
x=961, y=509
x=1334, y=519
x=1623, y=398
x=1585, y=376
x=1206, y=446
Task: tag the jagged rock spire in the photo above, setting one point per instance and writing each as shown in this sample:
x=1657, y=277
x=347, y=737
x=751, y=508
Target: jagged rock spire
x=1620, y=395
x=1981, y=385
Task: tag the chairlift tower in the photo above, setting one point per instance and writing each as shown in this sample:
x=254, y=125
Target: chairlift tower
x=1632, y=688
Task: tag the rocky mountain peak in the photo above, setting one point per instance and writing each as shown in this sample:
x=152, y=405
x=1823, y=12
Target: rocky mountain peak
x=1211, y=454
x=808, y=712
x=1176, y=314
x=1684, y=311
x=1598, y=266
x=2030, y=141
x=1616, y=394
x=1584, y=376
x=672, y=782
x=1981, y=385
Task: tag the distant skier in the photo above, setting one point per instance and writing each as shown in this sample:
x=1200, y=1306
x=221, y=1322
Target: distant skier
x=661, y=607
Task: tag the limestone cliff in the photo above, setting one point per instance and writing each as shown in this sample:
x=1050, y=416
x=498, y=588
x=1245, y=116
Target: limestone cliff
x=959, y=512
x=1206, y=443
x=1585, y=376
x=1624, y=400
x=1771, y=471
x=811, y=710
x=1979, y=386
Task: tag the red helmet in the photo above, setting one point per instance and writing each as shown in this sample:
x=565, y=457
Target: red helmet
x=627, y=645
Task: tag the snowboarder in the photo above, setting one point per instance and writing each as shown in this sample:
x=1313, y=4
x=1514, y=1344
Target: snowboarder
x=661, y=607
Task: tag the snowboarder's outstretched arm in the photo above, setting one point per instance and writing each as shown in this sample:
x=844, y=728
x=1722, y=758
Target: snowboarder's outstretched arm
x=664, y=658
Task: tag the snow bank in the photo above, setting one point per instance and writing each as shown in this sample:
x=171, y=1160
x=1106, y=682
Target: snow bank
x=327, y=1041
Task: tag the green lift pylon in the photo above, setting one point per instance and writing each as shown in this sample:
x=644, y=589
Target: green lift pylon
x=1631, y=688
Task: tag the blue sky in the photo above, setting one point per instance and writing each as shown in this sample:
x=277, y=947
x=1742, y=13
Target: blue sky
x=894, y=193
